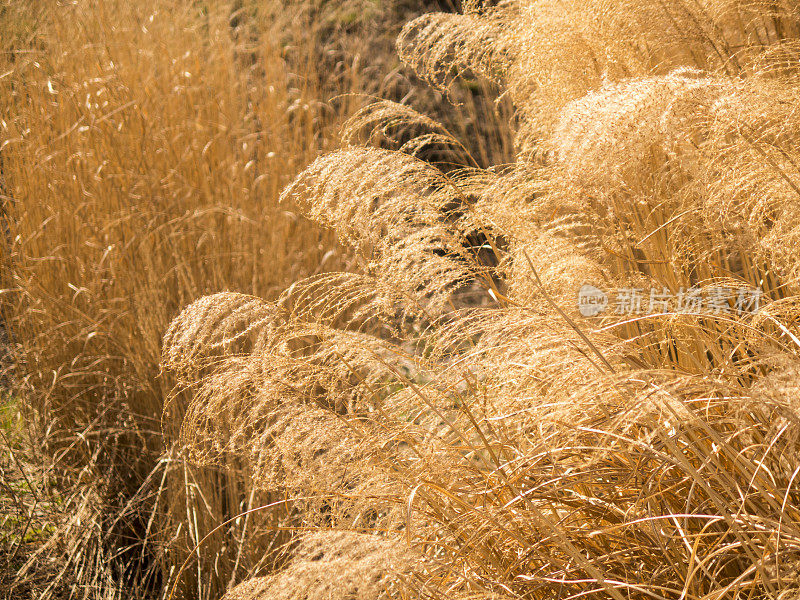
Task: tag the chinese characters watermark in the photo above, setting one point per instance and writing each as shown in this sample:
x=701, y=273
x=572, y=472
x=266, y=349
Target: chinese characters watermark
x=717, y=300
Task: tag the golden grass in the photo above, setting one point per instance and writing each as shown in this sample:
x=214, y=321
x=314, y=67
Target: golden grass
x=144, y=146
x=436, y=420
x=144, y=161
x=514, y=449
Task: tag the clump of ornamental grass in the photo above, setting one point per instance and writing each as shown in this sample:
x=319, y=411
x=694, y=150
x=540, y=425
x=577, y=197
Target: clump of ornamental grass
x=144, y=147
x=330, y=565
x=466, y=412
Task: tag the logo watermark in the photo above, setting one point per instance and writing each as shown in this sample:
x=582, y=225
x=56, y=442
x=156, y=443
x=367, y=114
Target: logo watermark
x=717, y=300
x=591, y=300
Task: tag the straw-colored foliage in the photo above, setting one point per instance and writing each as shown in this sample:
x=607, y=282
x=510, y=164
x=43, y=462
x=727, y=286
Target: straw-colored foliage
x=143, y=149
x=437, y=419
x=450, y=401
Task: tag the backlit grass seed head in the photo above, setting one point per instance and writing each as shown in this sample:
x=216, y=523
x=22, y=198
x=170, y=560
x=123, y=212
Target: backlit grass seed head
x=391, y=208
x=399, y=126
x=334, y=566
x=218, y=326
x=441, y=47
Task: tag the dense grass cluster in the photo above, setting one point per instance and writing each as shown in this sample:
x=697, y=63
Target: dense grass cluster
x=437, y=420
x=144, y=147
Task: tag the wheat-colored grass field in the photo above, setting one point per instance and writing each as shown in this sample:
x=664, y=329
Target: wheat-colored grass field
x=392, y=300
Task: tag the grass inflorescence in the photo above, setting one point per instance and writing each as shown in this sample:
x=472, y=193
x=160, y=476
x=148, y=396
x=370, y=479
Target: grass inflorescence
x=435, y=419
